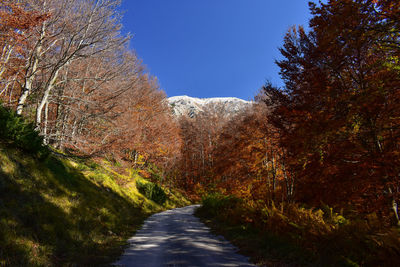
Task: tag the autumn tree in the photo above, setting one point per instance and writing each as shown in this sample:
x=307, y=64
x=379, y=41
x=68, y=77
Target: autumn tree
x=248, y=160
x=76, y=29
x=16, y=26
x=85, y=97
x=66, y=65
x=146, y=124
x=199, y=138
x=337, y=114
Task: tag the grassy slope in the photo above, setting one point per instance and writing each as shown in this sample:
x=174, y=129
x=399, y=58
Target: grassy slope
x=63, y=211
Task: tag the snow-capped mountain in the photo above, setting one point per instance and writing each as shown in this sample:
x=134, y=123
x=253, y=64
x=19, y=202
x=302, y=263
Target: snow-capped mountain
x=191, y=106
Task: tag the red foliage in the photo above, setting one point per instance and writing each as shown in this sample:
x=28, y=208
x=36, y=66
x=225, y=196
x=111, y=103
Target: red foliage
x=339, y=114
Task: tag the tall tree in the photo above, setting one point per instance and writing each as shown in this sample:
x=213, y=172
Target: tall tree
x=16, y=26
x=76, y=29
x=338, y=114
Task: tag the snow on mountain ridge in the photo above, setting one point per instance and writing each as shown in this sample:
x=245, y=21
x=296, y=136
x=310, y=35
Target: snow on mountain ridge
x=205, y=100
x=191, y=106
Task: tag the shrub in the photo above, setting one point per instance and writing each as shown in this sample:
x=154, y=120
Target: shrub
x=16, y=130
x=152, y=191
x=214, y=203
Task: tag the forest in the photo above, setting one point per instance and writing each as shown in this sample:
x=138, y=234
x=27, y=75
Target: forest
x=310, y=170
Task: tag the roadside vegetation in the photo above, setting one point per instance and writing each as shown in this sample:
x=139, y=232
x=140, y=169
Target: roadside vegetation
x=61, y=210
x=300, y=236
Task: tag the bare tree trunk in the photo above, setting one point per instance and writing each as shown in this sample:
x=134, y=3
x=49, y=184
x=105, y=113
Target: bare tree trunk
x=74, y=129
x=394, y=206
x=289, y=184
x=60, y=121
x=31, y=70
x=273, y=163
x=7, y=85
x=396, y=211
x=64, y=129
x=5, y=57
x=27, y=89
x=46, y=121
x=45, y=99
x=135, y=161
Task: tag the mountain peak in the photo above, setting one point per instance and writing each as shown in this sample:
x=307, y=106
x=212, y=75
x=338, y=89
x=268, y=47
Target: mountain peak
x=191, y=106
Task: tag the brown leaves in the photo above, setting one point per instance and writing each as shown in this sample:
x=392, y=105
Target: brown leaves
x=336, y=120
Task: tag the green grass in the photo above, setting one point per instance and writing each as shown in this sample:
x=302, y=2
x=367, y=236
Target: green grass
x=67, y=212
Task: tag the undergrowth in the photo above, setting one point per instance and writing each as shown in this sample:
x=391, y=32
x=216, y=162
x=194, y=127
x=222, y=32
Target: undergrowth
x=294, y=235
x=18, y=131
x=152, y=191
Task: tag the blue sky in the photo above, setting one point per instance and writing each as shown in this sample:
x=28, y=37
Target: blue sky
x=212, y=48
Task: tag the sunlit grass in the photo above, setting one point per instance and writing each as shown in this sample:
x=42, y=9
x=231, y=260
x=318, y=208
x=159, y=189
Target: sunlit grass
x=65, y=211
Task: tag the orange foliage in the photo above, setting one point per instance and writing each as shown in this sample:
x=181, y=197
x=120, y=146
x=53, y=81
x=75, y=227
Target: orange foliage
x=339, y=114
x=16, y=25
x=86, y=90
x=248, y=161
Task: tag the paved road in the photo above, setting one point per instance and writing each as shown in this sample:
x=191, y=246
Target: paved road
x=177, y=238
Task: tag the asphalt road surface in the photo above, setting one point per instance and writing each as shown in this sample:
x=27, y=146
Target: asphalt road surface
x=177, y=238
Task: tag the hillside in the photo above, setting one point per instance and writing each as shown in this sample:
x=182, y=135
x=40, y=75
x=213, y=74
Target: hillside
x=68, y=210
x=191, y=106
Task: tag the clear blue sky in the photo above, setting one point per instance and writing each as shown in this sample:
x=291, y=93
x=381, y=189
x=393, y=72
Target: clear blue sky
x=211, y=48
